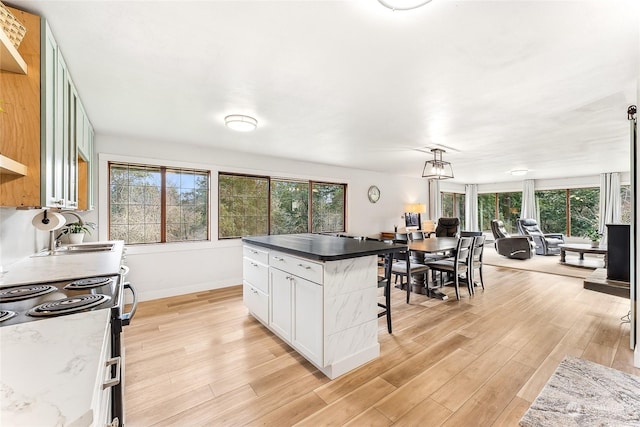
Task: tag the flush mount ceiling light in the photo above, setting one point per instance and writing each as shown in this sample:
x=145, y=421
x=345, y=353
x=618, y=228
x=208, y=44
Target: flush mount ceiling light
x=437, y=168
x=240, y=122
x=519, y=172
x=403, y=4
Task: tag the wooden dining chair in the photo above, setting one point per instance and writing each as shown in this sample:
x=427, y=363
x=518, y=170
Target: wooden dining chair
x=456, y=266
x=475, y=262
x=384, y=281
x=405, y=268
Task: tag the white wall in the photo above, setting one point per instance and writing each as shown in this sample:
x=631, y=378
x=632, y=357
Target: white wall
x=18, y=238
x=170, y=269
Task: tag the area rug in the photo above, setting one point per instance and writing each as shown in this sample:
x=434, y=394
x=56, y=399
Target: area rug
x=585, y=394
x=543, y=264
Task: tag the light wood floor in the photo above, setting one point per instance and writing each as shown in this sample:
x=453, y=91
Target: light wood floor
x=200, y=359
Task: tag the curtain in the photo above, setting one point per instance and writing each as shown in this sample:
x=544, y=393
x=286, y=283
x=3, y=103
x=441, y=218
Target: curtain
x=529, y=200
x=435, y=205
x=610, y=203
x=471, y=207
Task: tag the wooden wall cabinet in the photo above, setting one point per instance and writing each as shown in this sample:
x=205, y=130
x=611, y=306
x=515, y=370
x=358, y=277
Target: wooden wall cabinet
x=47, y=129
x=20, y=122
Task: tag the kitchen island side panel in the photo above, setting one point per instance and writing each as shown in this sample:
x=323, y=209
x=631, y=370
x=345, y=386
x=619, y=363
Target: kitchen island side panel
x=348, y=317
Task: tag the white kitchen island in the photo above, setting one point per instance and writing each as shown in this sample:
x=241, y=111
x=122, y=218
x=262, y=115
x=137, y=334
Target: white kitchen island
x=318, y=293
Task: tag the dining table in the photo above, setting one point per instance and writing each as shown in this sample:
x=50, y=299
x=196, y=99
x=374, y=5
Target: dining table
x=434, y=245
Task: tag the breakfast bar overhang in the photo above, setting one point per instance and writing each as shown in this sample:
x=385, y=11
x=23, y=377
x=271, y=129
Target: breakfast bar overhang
x=318, y=293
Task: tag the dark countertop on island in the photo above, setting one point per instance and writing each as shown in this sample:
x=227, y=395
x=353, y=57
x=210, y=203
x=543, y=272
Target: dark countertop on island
x=322, y=247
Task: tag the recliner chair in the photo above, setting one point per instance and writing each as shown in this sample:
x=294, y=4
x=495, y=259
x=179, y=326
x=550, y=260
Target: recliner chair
x=546, y=244
x=448, y=227
x=515, y=247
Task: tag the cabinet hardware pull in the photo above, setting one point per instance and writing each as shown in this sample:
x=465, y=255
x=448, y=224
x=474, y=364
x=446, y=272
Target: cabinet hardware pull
x=113, y=381
x=254, y=264
x=254, y=252
x=277, y=258
x=306, y=267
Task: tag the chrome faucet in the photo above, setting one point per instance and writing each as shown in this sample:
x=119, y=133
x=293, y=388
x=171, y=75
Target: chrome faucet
x=53, y=240
x=80, y=220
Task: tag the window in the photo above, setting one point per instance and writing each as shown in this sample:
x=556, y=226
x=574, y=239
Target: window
x=486, y=210
x=552, y=208
x=328, y=207
x=289, y=207
x=509, y=207
x=258, y=205
x=243, y=205
x=570, y=211
x=453, y=206
x=625, y=204
x=155, y=204
x=584, y=205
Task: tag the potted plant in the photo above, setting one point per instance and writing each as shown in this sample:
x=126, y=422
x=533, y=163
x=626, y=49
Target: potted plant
x=594, y=235
x=77, y=230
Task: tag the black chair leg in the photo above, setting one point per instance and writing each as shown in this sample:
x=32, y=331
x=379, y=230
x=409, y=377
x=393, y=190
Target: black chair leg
x=387, y=297
x=456, y=284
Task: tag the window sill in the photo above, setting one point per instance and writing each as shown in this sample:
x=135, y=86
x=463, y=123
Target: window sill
x=151, y=248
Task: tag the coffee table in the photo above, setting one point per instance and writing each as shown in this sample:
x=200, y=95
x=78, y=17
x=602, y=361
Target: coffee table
x=581, y=249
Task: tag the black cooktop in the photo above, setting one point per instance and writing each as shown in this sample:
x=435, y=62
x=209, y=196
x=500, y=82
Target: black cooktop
x=37, y=301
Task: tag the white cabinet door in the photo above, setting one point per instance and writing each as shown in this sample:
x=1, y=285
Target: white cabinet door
x=308, y=319
x=59, y=133
x=52, y=128
x=71, y=146
x=90, y=170
x=256, y=301
x=280, y=297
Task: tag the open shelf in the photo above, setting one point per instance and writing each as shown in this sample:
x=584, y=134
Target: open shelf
x=10, y=59
x=11, y=167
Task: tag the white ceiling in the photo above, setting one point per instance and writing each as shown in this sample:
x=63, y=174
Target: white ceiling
x=541, y=85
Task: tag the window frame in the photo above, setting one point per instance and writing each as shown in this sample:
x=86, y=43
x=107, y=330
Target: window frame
x=163, y=170
x=310, y=183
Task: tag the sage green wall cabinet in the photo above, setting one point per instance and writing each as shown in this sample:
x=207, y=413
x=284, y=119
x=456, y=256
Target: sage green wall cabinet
x=66, y=134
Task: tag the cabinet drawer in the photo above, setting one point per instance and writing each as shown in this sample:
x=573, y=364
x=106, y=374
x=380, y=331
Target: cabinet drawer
x=256, y=301
x=301, y=267
x=256, y=254
x=256, y=273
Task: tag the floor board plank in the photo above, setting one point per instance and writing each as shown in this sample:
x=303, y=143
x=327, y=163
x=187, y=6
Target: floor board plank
x=201, y=359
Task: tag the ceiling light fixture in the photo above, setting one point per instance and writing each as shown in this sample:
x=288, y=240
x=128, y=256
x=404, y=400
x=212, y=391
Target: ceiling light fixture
x=403, y=4
x=519, y=172
x=437, y=168
x=240, y=122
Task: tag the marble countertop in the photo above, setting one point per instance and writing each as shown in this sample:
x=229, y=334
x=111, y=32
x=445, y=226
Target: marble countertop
x=38, y=269
x=322, y=247
x=50, y=370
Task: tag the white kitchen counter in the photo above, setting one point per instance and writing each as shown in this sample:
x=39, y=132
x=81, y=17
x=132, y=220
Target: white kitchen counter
x=37, y=269
x=51, y=369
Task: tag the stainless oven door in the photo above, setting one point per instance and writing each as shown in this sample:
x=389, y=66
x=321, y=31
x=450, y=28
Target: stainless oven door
x=120, y=319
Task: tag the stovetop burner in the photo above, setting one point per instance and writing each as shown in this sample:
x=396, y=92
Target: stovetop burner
x=68, y=305
x=92, y=282
x=25, y=292
x=6, y=315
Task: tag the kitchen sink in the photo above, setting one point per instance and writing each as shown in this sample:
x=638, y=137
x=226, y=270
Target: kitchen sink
x=87, y=247
x=82, y=248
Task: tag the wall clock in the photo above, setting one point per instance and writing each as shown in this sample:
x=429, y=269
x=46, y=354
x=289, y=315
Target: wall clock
x=374, y=194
